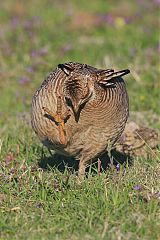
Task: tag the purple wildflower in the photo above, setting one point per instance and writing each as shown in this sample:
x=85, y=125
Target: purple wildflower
x=157, y=2
x=147, y=29
x=24, y=80
x=127, y=20
x=28, y=24
x=30, y=69
x=108, y=18
x=14, y=22
x=33, y=53
x=43, y=51
x=118, y=167
x=66, y=48
x=157, y=194
x=137, y=188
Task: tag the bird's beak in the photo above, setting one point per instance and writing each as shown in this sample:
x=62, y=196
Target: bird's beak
x=76, y=108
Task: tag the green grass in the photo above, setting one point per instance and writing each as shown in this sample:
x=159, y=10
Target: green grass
x=45, y=203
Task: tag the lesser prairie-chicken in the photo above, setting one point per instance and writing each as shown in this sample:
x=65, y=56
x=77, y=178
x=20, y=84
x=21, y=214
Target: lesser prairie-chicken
x=80, y=110
x=138, y=141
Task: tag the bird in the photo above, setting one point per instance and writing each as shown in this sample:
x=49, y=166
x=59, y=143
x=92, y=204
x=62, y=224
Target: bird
x=138, y=141
x=80, y=111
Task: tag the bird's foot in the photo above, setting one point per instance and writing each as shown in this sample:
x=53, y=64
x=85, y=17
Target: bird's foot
x=59, y=120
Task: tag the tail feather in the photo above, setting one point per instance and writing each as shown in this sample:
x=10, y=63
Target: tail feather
x=110, y=75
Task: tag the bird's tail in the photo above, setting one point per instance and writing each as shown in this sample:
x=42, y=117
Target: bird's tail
x=107, y=75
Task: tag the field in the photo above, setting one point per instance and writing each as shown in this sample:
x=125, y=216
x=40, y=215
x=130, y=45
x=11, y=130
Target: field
x=40, y=198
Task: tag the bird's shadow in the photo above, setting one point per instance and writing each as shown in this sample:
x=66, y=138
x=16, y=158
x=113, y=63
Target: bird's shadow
x=61, y=162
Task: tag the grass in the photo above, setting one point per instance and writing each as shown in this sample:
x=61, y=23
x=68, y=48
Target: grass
x=46, y=203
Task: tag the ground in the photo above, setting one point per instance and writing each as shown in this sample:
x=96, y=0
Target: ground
x=40, y=201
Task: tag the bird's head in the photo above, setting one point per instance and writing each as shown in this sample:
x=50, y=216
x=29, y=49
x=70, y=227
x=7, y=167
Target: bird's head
x=78, y=86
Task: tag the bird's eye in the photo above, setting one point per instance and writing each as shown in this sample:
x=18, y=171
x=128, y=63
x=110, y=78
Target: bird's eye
x=68, y=101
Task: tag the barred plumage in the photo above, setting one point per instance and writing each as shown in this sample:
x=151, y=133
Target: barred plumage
x=79, y=109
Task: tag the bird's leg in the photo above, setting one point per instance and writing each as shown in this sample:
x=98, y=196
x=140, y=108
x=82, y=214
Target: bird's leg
x=99, y=166
x=59, y=119
x=81, y=171
x=61, y=130
x=61, y=127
